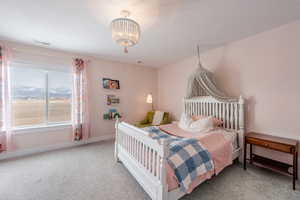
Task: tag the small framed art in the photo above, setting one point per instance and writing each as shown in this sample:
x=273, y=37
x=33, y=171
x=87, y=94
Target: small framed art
x=110, y=83
x=112, y=99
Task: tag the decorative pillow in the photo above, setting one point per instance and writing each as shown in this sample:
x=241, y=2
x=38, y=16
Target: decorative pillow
x=157, y=118
x=217, y=122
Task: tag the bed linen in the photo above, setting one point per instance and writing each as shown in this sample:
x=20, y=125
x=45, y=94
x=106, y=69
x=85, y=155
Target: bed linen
x=188, y=158
x=218, y=142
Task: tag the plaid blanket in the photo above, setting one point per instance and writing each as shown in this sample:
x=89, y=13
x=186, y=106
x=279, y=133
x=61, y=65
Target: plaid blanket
x=187, y=157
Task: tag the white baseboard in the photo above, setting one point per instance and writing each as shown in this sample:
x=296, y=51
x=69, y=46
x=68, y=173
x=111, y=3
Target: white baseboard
x=30, y=151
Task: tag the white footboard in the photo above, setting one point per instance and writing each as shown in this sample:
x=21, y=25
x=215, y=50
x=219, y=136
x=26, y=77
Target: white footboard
x=144, y=157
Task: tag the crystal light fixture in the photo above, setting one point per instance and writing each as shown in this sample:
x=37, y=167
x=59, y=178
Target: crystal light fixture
x=126, y=32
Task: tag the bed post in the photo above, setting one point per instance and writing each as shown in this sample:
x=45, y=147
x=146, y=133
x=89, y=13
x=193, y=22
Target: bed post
x=241, y=126
x=163, y=191
x=116, y=139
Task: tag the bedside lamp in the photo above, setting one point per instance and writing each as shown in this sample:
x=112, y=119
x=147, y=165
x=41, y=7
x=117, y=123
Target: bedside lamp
x=150, y=100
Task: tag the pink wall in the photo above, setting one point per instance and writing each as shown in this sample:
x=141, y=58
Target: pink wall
x=264, y=68
x=136, y=82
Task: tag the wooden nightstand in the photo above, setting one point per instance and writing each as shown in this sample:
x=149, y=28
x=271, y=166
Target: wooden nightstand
x=275, y=143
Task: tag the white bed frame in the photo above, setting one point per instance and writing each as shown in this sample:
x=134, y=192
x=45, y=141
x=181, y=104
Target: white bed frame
x=145, y=158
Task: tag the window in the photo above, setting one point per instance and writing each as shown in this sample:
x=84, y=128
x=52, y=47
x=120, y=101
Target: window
x=40, y=96
x=59, y=106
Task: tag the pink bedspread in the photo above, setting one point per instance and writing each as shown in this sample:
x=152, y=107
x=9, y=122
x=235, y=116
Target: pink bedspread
x=215, y=142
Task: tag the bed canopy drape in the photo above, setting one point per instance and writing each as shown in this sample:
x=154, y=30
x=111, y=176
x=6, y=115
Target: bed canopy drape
x=202, y=83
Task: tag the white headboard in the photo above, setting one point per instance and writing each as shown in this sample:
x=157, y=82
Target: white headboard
x=231, y=113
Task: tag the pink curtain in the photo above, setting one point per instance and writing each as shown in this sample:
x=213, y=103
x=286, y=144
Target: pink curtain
x=80, y=111
x=5, y=124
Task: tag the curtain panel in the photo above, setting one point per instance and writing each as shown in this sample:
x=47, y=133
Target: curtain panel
x=5, y=122
x=80, y=111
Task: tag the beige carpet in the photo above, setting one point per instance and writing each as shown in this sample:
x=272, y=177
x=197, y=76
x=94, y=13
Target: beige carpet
x=90, y=173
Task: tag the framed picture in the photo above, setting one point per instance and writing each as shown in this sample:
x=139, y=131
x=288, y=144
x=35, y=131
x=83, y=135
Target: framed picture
x=112, y=99
x=111, y=114
x=110, y=84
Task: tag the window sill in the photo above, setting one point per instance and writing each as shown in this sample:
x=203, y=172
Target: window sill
x=40, y=129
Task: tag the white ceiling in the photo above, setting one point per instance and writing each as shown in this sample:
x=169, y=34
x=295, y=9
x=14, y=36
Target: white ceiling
x=170, y=28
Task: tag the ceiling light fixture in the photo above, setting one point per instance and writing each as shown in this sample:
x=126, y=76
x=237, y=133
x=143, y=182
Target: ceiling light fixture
x=126, y=32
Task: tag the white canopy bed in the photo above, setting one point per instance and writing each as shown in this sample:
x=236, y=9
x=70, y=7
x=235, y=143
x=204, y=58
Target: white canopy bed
x=147, y=159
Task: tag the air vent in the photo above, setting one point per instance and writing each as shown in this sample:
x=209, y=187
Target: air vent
x=42, y=43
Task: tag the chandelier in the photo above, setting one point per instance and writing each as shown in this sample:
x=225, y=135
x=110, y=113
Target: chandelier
x=126, y=32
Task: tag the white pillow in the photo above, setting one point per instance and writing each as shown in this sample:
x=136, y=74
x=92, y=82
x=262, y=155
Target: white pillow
x=202, y=125
x=184, y=121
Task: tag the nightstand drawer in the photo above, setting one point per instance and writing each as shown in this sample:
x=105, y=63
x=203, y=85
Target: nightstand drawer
x=270, y=145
